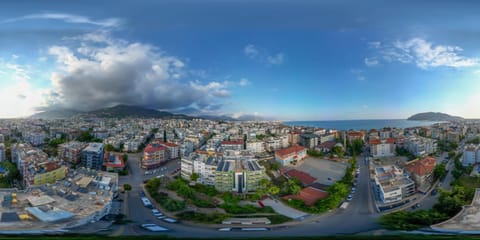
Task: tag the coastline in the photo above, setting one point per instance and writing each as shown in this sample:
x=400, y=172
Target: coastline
x=364, y=124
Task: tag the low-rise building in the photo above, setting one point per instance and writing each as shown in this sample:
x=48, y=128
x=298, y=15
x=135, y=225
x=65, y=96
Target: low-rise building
x=114, y=162
x=232, y=145
x=287, y=156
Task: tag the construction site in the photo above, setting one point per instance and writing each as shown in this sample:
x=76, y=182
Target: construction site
x=84, y=196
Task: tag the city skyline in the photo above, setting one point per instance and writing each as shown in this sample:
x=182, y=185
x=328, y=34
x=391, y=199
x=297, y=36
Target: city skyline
x=288, y=61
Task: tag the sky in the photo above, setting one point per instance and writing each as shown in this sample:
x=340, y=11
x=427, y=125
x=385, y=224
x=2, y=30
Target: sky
x=284, y=60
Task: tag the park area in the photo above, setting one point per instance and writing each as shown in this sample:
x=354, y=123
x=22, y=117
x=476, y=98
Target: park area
x=204, y=204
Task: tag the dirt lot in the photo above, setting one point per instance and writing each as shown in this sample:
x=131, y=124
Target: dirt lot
x=327, y=172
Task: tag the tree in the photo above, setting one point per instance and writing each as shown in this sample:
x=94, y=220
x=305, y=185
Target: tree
x=338, y=150
x=357, y=146
x=275, y=166
x=440, y=171
x=273, y=190
x=451, y=154
x=125, y=158
x=127, y=187
x=109, y=148
x=194, y=176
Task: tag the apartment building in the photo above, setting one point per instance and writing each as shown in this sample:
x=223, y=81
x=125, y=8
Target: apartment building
x=232, y=171
x=173, y=150
x=309, y=140
x=71, y=152
x=392, y=185
x=36, y=168
x=232, y=145
x=471, y=155
x=93, y=156
x=382, y=148
x=420, y=146
x=154, y=155
x=2, y=152
x=421, y=171
x=255, y=146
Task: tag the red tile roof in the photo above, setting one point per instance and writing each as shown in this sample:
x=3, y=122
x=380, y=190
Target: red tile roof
x=304, y=177
x=289, y=150
x=421, y=167
x=309, y=195
x=375, y=141
x=390, y=140
x=232, y=142
x=154, y=148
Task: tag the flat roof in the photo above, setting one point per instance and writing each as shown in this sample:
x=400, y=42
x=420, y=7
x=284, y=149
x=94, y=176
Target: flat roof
x=84, y=181
x=41, y=200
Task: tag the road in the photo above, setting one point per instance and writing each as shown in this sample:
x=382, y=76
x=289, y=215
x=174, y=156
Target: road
x=360, y=215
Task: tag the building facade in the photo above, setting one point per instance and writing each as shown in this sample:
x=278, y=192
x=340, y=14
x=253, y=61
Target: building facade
x=93, y=155
x=287, y=156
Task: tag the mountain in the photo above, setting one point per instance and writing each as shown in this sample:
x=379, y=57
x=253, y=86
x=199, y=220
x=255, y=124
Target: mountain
x=434, y=116
x=56, y=114
x=119, y=111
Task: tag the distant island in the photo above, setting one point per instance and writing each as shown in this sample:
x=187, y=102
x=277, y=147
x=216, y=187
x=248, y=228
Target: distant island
x=434, y=116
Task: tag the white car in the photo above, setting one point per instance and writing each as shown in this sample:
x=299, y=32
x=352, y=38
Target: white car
x=225, y=229
x=154, y=227
x=349, y=198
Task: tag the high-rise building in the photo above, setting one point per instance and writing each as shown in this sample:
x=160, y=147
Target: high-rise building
x=93, y=155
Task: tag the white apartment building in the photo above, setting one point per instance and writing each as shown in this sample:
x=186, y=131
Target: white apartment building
x=382, y=148
x=255, y=146
x=471, y=155
x=391, y=184
x=420, y=146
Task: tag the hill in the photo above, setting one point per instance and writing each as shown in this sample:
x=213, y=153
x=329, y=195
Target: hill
x=434, y=116
x=119, y=111
x=56, y=114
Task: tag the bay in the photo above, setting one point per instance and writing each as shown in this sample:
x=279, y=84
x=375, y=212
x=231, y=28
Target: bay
x=362, y=124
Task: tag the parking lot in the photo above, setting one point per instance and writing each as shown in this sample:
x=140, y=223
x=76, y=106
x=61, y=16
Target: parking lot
x=327, y=172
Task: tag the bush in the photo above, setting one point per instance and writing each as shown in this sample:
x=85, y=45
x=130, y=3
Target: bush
x=127, y=187
x=214, y=218
x=208, y=190
x=246, y=209
x=162, y=198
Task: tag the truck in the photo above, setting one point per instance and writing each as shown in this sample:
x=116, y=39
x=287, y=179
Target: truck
x=146, y=202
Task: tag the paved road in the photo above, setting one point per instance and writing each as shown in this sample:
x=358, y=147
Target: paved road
x=360, y=216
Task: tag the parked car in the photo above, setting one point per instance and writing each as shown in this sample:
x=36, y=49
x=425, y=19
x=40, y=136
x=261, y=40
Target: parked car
x=349, y=198
x=434, y=192
x=154, y=227
x=170, y=220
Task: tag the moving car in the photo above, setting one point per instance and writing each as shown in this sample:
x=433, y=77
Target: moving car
x=225, y=229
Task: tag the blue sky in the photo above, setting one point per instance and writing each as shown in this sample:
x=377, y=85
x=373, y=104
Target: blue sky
x=287, y=60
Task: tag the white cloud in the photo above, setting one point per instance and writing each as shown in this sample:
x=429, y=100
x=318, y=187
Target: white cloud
x=14, y=56
x=370, y=62
x=374, y=44
x=99, y=71
x=425, y=54
x=69, y=18
x=358, y=73
x=262, y=55
x=243, y=82
x=250, y=51
x=19, y=98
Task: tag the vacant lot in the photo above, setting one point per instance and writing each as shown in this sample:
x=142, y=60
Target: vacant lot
x=327, y=172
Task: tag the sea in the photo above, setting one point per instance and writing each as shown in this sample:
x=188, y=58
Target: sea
x=362, y=124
